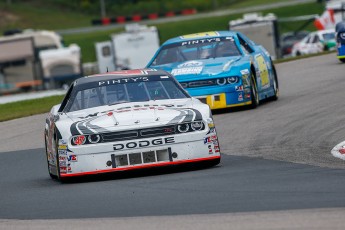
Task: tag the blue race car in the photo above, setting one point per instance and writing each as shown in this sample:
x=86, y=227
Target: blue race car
x=221, y=68
x=340, y=36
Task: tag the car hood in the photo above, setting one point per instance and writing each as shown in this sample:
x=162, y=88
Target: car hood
x=203, y=69
x=134, y=116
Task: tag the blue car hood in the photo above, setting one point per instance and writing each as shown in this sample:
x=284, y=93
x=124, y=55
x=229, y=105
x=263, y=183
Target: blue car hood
x=204, y=69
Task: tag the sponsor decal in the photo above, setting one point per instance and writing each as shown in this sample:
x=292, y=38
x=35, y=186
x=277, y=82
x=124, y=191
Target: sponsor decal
x=62, y=164
x=123, y=80
x=62, y=152
x=244, y=71
x=216, y=148
x=201, y=41
x=62, y=142
x=210, y=139
x=144, y=143
x=210, y=151
x=240, y=97
x=62, y=147
x=190, y=64
x=212, y=130
x=62, y=158
x=239, y=88
x=187, y=70
x=64, y=169
x=73, y=158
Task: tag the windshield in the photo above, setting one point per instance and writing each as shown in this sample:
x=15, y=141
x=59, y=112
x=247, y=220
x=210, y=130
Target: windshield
x=120, y=91
x=196, y=50
x=328, y=36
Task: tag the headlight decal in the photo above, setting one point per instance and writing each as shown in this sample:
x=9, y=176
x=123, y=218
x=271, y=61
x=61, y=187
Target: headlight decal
x=78, y=140
x=94, y=138
x=183, y=128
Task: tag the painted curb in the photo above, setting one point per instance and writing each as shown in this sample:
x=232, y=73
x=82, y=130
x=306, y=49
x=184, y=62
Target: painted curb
x=339, y=151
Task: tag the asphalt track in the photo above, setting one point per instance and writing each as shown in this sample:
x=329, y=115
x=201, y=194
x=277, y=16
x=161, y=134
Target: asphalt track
x=277, y=171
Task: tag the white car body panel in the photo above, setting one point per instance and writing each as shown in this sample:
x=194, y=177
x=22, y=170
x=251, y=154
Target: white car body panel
x=160, y=142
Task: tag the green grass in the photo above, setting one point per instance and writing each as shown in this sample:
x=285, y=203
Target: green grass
x=29, y=15
x=26, y=108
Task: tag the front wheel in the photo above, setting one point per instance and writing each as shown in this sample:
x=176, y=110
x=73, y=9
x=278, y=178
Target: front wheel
x=47, y=156
x=254, y=92
x=342, y=60
x=275, y=84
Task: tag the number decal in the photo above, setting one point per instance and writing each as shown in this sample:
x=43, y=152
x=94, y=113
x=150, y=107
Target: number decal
x=198, y=35
x=265, y=82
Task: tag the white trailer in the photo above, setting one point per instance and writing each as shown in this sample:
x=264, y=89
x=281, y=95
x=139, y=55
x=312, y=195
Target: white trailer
x=37, y=58
x=131, y=49
x=262, y=30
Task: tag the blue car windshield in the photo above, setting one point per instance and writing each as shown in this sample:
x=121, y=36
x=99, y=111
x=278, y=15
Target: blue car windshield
x=197, y=50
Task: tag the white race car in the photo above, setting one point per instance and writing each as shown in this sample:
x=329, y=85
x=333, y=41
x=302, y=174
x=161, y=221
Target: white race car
x=315, y=42
x=127, y=120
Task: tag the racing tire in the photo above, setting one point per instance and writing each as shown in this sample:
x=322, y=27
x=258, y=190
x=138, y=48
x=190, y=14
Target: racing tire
x=275, y=84
x=50, y=174
x=214, y=162
x=57, y=162
x=253, y=92
x=342, y=60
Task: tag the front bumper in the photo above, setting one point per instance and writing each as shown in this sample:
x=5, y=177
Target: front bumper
x=130, y=155
x=226, y=100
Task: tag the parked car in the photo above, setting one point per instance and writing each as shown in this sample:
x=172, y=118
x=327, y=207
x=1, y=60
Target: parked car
x=315, y=42
x=287, y=40
x=222, y=68
x=127, y=120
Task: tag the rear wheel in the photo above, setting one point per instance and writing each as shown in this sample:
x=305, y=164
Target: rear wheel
x=254, y=92
x=342, y=60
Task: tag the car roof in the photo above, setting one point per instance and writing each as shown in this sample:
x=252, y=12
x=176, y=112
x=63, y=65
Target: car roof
x=120, y=74
x=209, y=34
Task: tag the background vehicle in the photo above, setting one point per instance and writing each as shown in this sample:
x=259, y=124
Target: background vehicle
x=287, y=40
x=131, y=49
x=340, y=36
x=127, y=120
x=37, y=59
x=315, y=42
x=221, y=68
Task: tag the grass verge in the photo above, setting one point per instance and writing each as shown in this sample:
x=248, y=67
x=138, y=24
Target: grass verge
x=26, y=108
